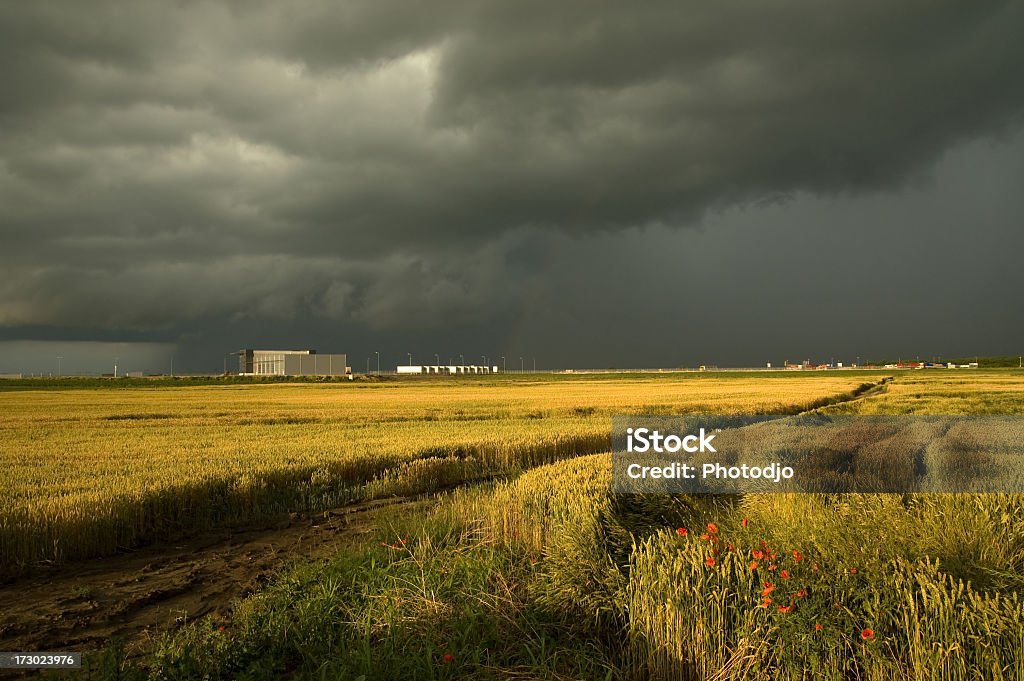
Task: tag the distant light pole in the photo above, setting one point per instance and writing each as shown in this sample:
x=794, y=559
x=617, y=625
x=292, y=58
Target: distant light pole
x=115, y=366
x=172, y=367
x=59, y=360
x=437, y=359
x=534, y=365
x=377, y=352
x=503, y=364
x=522, y=367
x=410, y=358
x=462, y=360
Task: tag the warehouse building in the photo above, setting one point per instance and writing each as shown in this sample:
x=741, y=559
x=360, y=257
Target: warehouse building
x=291, y=363
x=446, y=369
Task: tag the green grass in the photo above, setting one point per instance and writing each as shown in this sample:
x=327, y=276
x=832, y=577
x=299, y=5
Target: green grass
x=425, y=600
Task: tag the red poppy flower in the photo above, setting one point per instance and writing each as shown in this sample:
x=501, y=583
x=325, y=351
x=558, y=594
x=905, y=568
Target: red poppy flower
x=766, y=602
x=801, y=593
x=705, y=536
x=753, y=565
x=768, y=588
x=773, y=567
x=797, y=556
x=220, y=629
x=867, y=634
x=785, y=608
x=712, y=528
x=758, y=554
x=448, y=657
x=709, y=561
x=744, y=522
x=784, y=574
x=682, y=531
x=817, y=627
x=853, y=571
x=731, y=547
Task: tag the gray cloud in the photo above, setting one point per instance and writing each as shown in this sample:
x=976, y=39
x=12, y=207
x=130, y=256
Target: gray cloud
x=398, y=165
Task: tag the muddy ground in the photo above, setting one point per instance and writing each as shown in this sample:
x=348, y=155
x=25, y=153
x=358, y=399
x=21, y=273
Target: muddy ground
x=136, y=595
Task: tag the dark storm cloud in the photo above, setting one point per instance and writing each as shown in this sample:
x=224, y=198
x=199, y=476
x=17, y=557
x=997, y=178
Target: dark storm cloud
x=392, y=163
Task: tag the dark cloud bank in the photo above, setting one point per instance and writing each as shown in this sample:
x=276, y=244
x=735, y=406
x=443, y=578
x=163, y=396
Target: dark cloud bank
x=595, y=183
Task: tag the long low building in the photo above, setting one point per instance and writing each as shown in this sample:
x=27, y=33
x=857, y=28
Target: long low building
x=446, y=369
x=291, y=363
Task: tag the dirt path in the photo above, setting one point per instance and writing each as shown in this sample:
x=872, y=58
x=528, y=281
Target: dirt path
x=138, y=594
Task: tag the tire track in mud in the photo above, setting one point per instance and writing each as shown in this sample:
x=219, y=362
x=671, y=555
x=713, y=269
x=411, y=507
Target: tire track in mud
x=136, y=595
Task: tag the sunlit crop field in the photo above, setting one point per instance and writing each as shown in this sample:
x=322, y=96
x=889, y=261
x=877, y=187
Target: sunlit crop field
x=551, y=575
x=90, y=471
x=537, y=570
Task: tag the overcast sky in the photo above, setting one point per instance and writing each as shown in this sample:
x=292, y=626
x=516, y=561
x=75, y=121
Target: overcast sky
x=585, y=182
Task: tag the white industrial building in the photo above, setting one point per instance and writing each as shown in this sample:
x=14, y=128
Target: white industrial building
x=446, y=369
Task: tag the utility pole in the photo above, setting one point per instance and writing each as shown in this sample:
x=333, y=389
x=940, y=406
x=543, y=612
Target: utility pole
x=377, y=352
x=59, y=371
x=410, y=358
x=522, y=367
x=437, y=359
x=534, y=365
x=115, y=367
x=503, y=364
x=172, y=367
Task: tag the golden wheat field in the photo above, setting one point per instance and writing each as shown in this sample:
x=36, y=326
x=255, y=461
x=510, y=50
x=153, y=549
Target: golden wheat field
x=537, y=569
x=94, y=470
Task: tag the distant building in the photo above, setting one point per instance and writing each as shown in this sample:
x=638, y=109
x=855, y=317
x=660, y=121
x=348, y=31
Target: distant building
x=291, y=363
x=446, y=369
